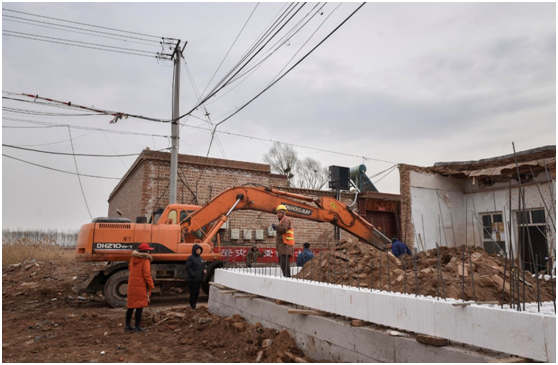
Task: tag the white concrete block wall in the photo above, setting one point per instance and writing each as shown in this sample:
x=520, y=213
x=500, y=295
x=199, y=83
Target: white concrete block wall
x=464, y=198
x=530, y=335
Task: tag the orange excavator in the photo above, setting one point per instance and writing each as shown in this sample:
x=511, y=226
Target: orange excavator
x=180, y=226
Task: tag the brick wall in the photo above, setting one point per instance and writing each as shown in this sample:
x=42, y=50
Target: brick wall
x=145, y=188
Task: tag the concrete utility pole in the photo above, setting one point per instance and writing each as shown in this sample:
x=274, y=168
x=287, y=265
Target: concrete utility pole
x=176, y=56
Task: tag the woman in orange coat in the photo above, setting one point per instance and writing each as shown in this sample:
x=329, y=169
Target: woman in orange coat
x=140, y=285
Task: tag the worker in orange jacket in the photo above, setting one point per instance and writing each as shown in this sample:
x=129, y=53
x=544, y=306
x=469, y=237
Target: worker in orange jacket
x=285, y=240
x=140, y=285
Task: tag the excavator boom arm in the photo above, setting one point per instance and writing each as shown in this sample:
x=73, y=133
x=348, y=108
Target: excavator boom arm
x=324, y=209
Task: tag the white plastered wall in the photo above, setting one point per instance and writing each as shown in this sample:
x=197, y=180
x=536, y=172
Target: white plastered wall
x=437, y=200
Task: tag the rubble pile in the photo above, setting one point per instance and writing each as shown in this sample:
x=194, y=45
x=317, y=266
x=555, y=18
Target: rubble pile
x=43, y=320
x=361, y=265
x=232, y=338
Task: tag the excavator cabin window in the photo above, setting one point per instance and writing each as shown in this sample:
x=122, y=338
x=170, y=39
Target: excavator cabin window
x=199, y=234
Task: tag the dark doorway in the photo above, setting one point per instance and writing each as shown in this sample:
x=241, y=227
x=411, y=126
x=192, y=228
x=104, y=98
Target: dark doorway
x=533, y=228
x=384, y=222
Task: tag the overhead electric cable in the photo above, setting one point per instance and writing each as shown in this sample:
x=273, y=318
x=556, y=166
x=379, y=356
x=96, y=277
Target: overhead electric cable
x=51, y=143
x=294, y=145
x=77, y=172
x=289, y=70
x=281, y=42
x=230, y=48
x=117, y=115
x=74, y=22
x=73, y=173
x=240, y=69
x=270, y=27
x=79, y=42
x=78, y=28
x=76, y=45
x=84, y=128
x=322, y=23
x=78, y=32
x=72, y=154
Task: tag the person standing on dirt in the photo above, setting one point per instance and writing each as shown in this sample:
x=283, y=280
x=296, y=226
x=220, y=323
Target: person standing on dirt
x=252, y=256
x=398, y=248
x=195, y=270
x=305, y=256
x=285, y=241
x=140, y=285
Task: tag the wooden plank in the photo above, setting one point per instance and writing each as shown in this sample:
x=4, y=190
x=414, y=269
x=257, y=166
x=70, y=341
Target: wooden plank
x=245, y=296
x=511, y=359
x=219, y=286
x=306, y=312
x=432, y=341
x=232, y=291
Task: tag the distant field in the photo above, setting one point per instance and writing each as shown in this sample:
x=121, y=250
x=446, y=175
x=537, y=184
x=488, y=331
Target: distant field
x=50, y=245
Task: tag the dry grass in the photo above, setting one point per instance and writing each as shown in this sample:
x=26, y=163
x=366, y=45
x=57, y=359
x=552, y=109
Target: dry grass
x=19, y=250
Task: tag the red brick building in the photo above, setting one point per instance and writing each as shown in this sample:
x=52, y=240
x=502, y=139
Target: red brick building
x=145, y=188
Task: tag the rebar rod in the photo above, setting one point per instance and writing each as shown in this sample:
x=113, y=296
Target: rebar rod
x=380, y=287
x=438, y=273
x=358, y=273
x=551, y=283
x=553, y=205
x=371, y=274
x=389, y=274
x=472, y=273
x=442, y=219
x=405, y=278
x=417, y=290
x=542, y=197
x=537, y=280
x=504, y=285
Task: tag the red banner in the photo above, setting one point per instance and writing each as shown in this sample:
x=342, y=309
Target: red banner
x=238, y=253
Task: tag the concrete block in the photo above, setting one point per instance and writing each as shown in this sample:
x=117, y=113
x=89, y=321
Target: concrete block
x=330, y=339
x=482, y=326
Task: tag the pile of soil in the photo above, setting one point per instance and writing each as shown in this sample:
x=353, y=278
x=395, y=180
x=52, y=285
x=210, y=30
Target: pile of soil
x=361, y=265
x=43, y=320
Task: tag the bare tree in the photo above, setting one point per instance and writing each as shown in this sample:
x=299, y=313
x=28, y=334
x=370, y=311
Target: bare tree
x=283, y=159
x=311, y=175
x=307, y=173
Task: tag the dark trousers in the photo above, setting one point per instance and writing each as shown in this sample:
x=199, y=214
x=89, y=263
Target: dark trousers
x=194, y=294
x=284, y=262
x=139, y=312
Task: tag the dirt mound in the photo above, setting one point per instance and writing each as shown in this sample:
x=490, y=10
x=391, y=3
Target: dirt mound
x=44, y=282
x=43, y=320
x=361, y=265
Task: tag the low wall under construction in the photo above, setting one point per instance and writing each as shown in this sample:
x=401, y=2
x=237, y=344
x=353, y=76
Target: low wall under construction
x=527, y=334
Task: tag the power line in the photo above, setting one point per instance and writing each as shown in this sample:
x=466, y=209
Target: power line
x=78, y=32
x=51, y=143
x=71, y=154
x=77, y=172
x=289, y=70
x=74, y=22
x=117, y=115
x=223, y=83
x=79, y=42
x=68, y=172
x=282, y=41
x=75, y=45
x=230, y=48
x=80, y=127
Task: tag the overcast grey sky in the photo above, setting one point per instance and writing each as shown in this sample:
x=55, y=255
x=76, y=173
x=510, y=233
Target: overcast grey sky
x=399, y=82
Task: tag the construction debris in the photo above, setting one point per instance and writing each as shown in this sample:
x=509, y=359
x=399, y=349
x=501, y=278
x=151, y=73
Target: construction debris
x=363, y=266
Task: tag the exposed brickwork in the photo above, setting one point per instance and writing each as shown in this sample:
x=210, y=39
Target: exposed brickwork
x=145, y=188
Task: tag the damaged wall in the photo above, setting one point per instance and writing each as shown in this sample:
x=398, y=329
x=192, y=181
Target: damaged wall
x=437, y=194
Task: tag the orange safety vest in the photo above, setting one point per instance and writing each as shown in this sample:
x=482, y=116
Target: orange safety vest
x=288, y=237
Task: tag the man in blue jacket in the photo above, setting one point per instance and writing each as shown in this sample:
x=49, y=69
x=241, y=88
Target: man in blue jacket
x=398, y=248
x=305, y=256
